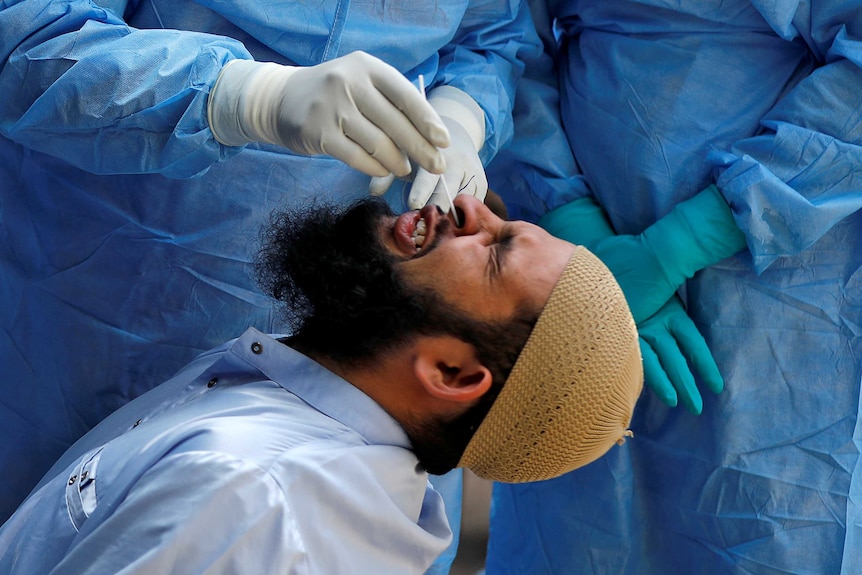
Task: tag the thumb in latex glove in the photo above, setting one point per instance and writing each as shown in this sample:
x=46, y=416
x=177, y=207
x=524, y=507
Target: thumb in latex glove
x=464, y=173
x=355, y=108
x=667, y=339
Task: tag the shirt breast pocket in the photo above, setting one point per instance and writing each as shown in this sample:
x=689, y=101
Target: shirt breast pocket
x=81, y=498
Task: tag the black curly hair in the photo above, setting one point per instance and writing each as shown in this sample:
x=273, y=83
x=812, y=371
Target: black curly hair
x=342, y=294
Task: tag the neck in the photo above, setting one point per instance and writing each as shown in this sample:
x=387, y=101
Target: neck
x=438, y=436
x=384, y=380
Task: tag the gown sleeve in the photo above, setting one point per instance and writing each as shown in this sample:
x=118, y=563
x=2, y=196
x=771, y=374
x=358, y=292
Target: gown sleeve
x=533, y=183
x=80, y=84
x=800, y=174
x=485, y=59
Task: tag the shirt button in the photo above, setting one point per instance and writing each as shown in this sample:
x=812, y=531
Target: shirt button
x=257, y=348
x=73, y=479
x=137, y=423
x=212, y=382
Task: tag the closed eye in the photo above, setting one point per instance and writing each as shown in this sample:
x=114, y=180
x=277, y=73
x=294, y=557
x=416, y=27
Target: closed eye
x=499, y=250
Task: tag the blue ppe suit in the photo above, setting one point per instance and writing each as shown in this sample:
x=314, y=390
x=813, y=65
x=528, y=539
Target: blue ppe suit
x=658, y=101
x=127, y=230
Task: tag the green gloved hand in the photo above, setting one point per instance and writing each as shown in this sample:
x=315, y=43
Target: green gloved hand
x=667, y=334
x=667, y=339
x=652, y=265
x=581, y=222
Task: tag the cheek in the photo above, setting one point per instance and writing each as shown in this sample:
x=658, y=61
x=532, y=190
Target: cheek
x=459, y=276
x=462, y=264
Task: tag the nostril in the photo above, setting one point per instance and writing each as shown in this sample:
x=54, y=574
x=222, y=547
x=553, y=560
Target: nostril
x=460, y=213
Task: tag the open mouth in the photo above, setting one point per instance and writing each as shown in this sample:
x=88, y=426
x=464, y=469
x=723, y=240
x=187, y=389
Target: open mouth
x=419, y=233
x=414, y=230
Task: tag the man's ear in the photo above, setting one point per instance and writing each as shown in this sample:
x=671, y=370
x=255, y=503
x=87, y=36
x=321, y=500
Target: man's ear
x=448, y=369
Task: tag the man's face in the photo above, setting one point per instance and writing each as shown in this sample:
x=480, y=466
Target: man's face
x=358, y=286
x=488, y=267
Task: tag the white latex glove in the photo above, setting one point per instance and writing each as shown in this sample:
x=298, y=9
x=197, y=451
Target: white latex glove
x=464, y=173
x=355, y=108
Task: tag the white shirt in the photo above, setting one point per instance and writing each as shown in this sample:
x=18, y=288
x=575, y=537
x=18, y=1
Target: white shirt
x=252, y=459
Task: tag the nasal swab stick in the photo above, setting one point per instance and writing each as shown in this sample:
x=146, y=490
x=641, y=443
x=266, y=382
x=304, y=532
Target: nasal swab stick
x=442, y=178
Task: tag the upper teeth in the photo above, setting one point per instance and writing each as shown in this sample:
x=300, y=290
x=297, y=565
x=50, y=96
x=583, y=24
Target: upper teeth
x=418, y=236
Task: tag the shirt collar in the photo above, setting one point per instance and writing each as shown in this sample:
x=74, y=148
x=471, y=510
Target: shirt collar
x=319, y=387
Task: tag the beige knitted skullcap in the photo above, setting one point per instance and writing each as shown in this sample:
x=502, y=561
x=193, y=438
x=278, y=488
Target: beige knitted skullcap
x=572, y=391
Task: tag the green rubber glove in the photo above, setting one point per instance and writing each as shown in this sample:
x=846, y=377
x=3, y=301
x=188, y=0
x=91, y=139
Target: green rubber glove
x=670, y=342
x=667, y=339
x=581, y=222
x=651, y=266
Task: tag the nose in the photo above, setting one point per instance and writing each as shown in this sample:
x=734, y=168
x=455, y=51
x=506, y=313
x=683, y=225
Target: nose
x=475, y=216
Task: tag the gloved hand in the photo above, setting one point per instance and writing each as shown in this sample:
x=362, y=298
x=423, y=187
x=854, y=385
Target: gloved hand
x=464, y=173
x=355, y=108
x=652, y=265
x=667, y=338
x=582, y=222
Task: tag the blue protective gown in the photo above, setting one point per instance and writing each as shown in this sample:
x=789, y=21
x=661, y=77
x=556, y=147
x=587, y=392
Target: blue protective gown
x=126, y=228
x=660, y=100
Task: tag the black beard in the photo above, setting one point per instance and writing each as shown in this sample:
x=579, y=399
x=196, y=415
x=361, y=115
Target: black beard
x=343, y=296
x=347, y=303
x=439, y=443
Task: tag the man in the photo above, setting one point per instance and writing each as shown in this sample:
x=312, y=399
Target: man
x=309, y=454
x=115, y=143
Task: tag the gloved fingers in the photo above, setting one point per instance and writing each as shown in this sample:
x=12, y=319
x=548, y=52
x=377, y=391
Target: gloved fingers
x=356, y=155
x=443, y=196
x=415, y=128
x=379, y=185
x=412, y=103
x=441, y=199
x=677, y=370
x=473, y=182
x=423, y=187
x=696, y=349
x=463, y=181
x=376, y=141
x=655, y=377
x=465, y=173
